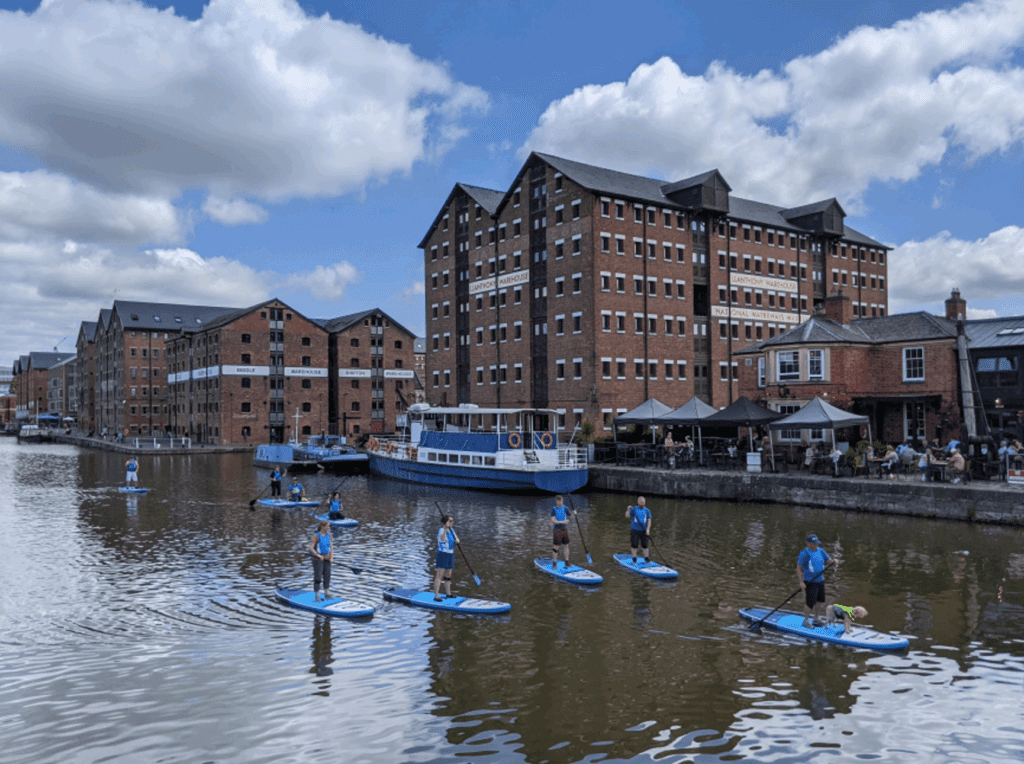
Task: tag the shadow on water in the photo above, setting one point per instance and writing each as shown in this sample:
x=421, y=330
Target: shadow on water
x=145, y=627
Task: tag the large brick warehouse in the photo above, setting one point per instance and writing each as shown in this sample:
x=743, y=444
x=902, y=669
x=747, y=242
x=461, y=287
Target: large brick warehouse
x=587, y=290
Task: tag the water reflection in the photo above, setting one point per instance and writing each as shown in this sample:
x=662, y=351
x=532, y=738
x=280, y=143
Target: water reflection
x=162, y=633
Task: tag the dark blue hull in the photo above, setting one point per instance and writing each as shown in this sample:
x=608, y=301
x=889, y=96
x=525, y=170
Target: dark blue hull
x=484, y=478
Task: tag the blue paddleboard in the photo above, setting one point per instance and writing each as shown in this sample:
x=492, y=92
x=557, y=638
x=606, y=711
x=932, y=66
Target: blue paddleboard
x=288, y=503
x=132, y=489
x=650, y=569
x=305, y=599
x=452, y=604
x=346, y=522
x=573, y=573
x=854, y=636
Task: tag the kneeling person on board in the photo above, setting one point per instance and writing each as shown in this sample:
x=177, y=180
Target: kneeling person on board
x=322, y=549
x=444, y=560
x=845, y=615
x=296, y=491
x=639, y=528
x=132, y=472
x=334, y=513
x=559, y=532
x=810, y=570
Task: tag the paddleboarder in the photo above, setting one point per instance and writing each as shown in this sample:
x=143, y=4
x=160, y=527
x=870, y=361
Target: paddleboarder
x=810, y=571
x=560, y=532
x=275, y=481
x=639, y=517
x=334, y=513
x=296, y=491
x=132, y=472
x=322, y=550
x=444, y=560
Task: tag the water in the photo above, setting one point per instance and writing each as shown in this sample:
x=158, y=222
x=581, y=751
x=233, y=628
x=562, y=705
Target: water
x=145, y=629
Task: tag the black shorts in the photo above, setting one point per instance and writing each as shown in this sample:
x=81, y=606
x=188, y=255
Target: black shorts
x=814, y=593
x=560, y=537
x=637, y=538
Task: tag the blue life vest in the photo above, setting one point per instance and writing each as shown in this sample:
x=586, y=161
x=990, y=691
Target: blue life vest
x=445, y=541
x=133, y=466
x=324, y=543
x=639, y=517
x=560, y=514
x=295, y=490
x=335, y=505
x=276, y=476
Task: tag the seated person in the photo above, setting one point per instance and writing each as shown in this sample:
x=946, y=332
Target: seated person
x=925, y=463
x=889, y=462
x=809, y=455
x=956, y=465
x=845, y=615
x=954, y=443
x=296, y=492
x=835, y=456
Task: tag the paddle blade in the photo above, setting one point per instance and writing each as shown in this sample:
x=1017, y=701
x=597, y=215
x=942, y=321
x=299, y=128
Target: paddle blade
x=357, y=571
x=590, y=560
x=755, y=626
x=476, y=578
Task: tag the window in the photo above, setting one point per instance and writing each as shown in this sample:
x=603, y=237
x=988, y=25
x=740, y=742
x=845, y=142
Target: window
x=913, y=364
x=789, y=365
x=245, y=383
x=246, y=339
x=913, y=421
x=307, y=360
x=575, y=210
x=307, y=407
x=760, y=369
x=306, y=342
x=355, y=404
x=638, y=215
x=307, y=384
x=246, y=407
x=246, y=359
x=815, y=364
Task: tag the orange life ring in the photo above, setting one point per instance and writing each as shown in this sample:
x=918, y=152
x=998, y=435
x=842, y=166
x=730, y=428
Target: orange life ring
x=389, y=447
x=546, y=440
x=514, y=441
x=372, y=444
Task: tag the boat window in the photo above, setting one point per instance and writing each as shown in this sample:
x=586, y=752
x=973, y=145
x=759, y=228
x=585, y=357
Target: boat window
x=432, y=457
x=478, y=460
x=442, y=457
x=465, y=459
x=489, y=461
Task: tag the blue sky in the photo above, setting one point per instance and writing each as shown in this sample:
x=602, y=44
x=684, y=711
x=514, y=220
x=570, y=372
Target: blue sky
x=221, y=154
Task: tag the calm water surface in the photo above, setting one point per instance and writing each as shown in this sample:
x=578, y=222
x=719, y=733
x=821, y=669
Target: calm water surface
x=145, y=629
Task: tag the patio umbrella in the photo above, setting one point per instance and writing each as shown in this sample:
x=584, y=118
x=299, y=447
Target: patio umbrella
x=692, y=414
x=647, y=413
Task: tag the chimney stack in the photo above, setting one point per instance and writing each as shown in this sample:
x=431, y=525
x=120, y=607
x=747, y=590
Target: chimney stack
x=956, y=307
x=838, y=308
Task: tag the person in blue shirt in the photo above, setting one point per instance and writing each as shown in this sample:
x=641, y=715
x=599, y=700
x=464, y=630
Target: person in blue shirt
x=639, y=528
x=275, y=481
x=334, y=512
x=131, y=472
x=322, y=550
x=810, y=570
x=444, y=560
x=559, y=532
x=296, y=492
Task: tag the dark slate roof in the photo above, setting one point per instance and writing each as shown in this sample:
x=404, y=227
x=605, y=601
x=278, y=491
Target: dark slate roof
x=487, y=198
x=638, y=188
x=167, y=317
x=88, y=329
x=995, y=332
x=696, y=180
x=904, y=327
x=341, y=323
x=42, y=360
x=812, y=208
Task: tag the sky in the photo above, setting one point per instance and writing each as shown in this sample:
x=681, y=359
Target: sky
x=221, y=154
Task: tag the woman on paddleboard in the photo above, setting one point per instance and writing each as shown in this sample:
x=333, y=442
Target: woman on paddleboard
x=275, y=481
x=334, y=510
x=639, y=517
x=322, y=550
x=444, y=561
x=559, y=532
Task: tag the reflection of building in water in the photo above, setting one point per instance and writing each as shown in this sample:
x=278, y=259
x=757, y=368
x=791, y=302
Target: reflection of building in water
x=755, y=537
x=1001, y=620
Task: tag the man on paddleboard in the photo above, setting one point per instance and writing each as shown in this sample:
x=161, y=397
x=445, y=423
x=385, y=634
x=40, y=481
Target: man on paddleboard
x=639, y=517
x=132, y=472
x=296, y=492
x=559, y=532
x=810, y=571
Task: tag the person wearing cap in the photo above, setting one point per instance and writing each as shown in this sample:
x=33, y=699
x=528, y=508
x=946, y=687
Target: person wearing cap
x=810, y=571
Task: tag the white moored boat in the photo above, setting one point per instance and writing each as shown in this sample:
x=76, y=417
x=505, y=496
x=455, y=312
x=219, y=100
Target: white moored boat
x=489, y=448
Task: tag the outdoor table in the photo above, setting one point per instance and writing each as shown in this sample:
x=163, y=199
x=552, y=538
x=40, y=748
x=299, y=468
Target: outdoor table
x=935, y=471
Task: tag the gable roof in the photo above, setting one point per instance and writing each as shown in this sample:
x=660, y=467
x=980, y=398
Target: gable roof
x=44, y=360
x=234, y=315
x=902, y=327
x=163, y=316
x=812, y=209
x=88, y=330
x=487, y=198
x=341, y=323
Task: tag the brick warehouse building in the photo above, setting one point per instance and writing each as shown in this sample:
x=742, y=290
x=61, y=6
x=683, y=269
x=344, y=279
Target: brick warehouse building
x=85, y=372
x=901, y=370
x=589, y=290
x=241, y=378
x=31, y=382
x=372, y=365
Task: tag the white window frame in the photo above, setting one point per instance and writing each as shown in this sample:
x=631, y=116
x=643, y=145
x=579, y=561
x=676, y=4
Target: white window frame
x=918, y=349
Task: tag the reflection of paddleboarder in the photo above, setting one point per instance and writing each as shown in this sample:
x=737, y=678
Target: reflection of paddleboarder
x=132, y=472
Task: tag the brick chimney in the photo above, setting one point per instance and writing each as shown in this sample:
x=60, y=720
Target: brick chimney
x=956, y=307
x=838, y=308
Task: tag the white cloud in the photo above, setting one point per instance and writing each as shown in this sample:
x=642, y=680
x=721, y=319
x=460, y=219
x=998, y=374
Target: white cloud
x=978, y=313
x=46, y=205
x=926, y=271
x=231, y=212
x=325, y=282
x=877, y=105
x=252, y=100
x=411, y=292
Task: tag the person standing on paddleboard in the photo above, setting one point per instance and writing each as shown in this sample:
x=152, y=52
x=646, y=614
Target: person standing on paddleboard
x=322, y=549
x=132, y=472
x=810, y=571
x=559, y=532
x=334, y=511
x=444, y=560
x=275, y=481
x=639, y=528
